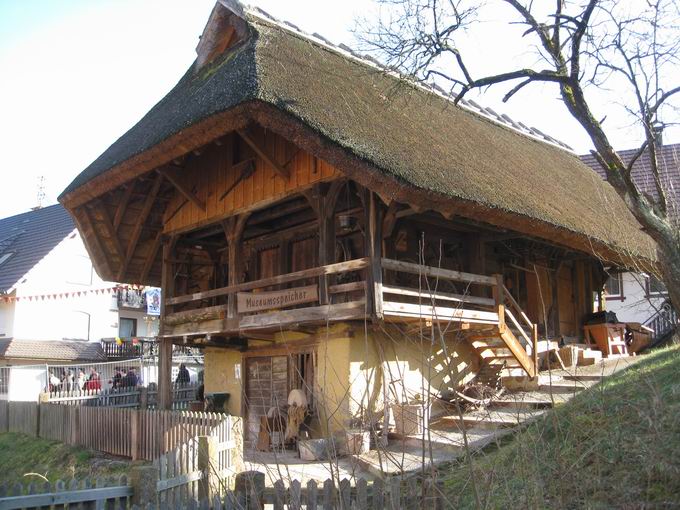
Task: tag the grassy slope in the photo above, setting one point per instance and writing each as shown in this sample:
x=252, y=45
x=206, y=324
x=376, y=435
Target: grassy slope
x=616, y=445
x=21, y=454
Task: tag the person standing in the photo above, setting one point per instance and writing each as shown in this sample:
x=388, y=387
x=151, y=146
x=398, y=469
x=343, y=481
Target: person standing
x=183, y=377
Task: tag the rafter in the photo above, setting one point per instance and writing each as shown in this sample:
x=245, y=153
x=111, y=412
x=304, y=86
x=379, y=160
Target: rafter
x=141, y=219
x=151, y=257
x=184, y=191
x=100, y=207
x=262, y=153
x=85, y=224
x=122, y=205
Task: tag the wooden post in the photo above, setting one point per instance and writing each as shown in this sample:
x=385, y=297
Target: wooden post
x=534, y=340
x=208, y=486
x=499, y=299
x=134, y=435
x=322, y=199
x=143, y=397
x=233, y=231
x=75, y=426
x=165, y=344
x=374, y=252
x=144, y=480
x=249, y=488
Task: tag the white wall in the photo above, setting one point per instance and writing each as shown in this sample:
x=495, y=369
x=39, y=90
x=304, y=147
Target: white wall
x=636, y=306
x=6, y=319
x=67, y=268
x=146, y=325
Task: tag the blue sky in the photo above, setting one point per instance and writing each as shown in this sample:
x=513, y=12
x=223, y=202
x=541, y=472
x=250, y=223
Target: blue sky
x=76, y=74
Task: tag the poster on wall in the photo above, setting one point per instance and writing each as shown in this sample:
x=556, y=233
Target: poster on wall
x=153, y=301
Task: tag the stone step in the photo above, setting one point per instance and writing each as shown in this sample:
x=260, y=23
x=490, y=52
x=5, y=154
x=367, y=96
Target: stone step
x=562, y=387
x=497, y=417
x=528, y=401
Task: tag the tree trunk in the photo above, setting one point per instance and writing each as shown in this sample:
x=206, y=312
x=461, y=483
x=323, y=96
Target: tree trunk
x=669, y=261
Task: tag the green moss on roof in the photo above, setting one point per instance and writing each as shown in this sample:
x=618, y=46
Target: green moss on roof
x=415, y=136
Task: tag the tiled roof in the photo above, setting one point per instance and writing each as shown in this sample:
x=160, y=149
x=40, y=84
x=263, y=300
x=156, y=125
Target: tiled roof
x=669, y=169
x=26, y=238
x=54, y=350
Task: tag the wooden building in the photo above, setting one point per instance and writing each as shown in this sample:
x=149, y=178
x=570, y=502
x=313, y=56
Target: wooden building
x=308, y=215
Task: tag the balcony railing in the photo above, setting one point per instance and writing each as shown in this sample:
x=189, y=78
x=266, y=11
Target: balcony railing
x=398, y=291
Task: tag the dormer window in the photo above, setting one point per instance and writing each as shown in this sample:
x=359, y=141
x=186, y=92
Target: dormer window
x=5, y=257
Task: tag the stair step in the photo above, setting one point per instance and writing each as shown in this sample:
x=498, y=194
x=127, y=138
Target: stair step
x=564, y=387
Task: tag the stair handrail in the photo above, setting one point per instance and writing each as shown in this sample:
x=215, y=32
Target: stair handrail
x=502, y=296
x=664, y=320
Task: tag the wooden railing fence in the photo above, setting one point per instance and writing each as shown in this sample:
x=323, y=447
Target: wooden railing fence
x=138, y=397
x=663, y=322
x=83, y=494
x=137, y=434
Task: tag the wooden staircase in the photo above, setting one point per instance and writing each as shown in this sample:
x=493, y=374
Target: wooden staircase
x=509, y=349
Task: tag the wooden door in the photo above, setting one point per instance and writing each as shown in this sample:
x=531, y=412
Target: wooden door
x=266, y=387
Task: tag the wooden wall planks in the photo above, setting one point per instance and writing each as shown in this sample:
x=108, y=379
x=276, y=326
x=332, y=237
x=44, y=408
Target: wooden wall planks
x=210, y=175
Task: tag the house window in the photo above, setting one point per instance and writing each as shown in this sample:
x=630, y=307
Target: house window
x=127, y=328
x=655, y=287
x=614, y=287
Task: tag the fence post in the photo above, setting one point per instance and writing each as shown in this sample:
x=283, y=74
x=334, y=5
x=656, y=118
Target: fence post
x=144, y=481
x=207, y=465
x=143, y=397
x=249, y=488
x=75, y=424
x=134, y=435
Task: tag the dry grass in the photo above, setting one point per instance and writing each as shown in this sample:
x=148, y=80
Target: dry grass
x=21, y=455
x=616, y=445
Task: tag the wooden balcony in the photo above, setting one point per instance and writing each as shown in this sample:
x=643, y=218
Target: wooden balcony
x=394, y=291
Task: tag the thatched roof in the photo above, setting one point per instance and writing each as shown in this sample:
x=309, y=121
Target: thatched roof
x=383, y=130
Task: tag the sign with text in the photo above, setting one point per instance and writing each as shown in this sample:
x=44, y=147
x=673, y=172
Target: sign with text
x=256, y=301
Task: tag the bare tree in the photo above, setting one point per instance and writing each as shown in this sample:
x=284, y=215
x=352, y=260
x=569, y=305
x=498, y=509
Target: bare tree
x=631, y=48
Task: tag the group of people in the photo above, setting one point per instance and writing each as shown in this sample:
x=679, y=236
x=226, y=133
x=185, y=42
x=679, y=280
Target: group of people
x=125, y=378
x=69, y=381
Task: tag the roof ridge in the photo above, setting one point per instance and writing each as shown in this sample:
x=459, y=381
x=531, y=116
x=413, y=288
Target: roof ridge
x=471, y=106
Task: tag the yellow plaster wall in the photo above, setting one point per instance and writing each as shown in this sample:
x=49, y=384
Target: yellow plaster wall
x=410, y=368
x=332, y=383
x=351, y=367
x=219, y=375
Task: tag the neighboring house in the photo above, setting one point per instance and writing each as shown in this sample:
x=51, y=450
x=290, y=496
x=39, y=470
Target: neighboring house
x=31, y=352
x=50, y=292
x=318, y=224
x=638, y=296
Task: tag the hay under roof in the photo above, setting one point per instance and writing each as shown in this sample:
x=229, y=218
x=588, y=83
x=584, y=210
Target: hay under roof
x=407, y=136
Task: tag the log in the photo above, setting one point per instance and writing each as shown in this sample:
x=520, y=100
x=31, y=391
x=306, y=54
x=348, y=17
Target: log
x=198, y=315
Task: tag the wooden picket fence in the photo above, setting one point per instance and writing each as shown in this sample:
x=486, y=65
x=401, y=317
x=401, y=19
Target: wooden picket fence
x=186, y=470
x=249, y=492
x=84, y=494
x=138, y=434
x=22, y=417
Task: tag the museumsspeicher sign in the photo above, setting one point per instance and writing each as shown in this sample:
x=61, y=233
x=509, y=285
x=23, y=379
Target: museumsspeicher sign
x=255, y=301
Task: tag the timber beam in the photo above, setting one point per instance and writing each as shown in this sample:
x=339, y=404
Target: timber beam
x=263, y=154
x=139, y=225
x=109, y=228
x=184, y=191
x=122, y=205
